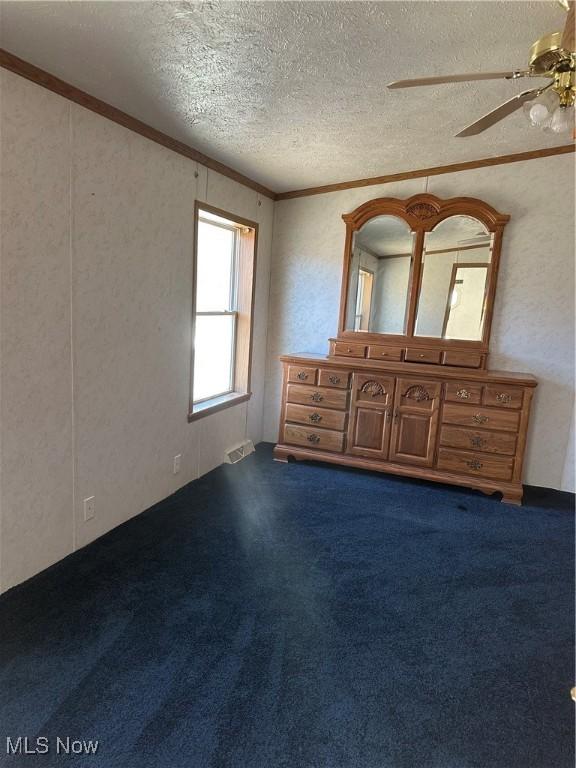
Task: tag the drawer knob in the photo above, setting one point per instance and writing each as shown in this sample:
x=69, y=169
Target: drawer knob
x=479, y=418
x=317, y=397
x=348, y=349
x=312, y=438
x=315, y=417
x=334, y=379
x=474, y=464
x=503, y=397
x=463, y=394
x=302, y=376
x=421, y=355
x=478, y=442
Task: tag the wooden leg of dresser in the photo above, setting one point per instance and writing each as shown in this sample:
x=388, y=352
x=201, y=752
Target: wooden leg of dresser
x=512, y=497
x=280, y=455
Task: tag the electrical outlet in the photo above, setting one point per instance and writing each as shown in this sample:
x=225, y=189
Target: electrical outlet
x=89, y=508
x=176, y=465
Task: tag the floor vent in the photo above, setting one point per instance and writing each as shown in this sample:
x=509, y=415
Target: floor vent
x=235, y=455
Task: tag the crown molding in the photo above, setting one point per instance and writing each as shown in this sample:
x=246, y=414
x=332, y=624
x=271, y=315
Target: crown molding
x=422, y=172
x=52, y=83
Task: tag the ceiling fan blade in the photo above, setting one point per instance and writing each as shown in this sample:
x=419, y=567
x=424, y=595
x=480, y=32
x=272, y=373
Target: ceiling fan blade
x=499, y=113
x=457, y=79
x=568, y=34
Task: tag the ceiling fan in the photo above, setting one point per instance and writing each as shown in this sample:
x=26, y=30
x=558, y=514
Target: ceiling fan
x=549, y=106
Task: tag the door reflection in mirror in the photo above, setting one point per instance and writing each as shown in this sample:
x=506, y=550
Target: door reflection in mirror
x=456, y=263
x=464, y=315
x=364, y=299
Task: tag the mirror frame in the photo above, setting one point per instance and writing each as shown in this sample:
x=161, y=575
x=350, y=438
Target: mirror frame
x=422, y=213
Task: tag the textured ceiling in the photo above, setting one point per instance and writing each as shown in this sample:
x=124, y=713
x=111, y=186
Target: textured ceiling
x=293, y=93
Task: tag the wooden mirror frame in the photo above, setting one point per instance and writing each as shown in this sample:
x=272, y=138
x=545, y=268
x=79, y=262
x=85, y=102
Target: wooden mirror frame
x=422, y=213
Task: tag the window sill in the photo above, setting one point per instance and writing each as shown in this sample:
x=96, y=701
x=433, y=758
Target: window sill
x=217, y=404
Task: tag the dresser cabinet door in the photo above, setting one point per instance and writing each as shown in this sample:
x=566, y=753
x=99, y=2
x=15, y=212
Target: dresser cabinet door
x=415, y=421
x=369, y=426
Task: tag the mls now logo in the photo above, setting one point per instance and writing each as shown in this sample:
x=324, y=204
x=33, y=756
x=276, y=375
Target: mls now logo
x=22, y=745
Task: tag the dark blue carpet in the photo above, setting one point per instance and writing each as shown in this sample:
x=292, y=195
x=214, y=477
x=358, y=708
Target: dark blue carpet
x=303, y=616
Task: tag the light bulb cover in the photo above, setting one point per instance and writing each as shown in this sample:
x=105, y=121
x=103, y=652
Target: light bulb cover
x=539, y=110
x=538, y=114
x=562, y=120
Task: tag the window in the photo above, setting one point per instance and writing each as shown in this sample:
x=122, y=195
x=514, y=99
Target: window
x=224, y=261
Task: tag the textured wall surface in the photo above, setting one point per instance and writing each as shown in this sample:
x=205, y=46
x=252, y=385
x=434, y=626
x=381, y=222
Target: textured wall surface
x=293, y=93
x=96, y=276
x=36, y=430
x=533, y=328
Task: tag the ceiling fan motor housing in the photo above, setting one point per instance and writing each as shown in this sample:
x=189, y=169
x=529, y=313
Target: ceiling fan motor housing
x=547, y=54
x=548, y=58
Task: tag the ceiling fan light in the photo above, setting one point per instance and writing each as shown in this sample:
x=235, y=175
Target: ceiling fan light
x=539, y=110
x=526, y=107
x=550, y=98
x=562, y=120
x=538, y=114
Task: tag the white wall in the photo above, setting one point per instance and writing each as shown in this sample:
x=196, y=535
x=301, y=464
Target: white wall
x=533, y=327
x=95, y=302
x=392, y=294
x=568, y=479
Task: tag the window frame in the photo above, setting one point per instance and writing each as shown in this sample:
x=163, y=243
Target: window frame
x=242, y=289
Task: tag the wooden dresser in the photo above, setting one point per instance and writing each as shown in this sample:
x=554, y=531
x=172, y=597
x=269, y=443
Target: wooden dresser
x=405, y=388
x=465, y=427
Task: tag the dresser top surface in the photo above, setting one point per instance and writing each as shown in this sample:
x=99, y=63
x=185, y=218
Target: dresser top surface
x=420, y=369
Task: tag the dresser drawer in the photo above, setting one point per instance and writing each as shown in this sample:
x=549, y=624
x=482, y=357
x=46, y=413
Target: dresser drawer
x=503, y=396
x=385, y=353
x=302, y=374
x=415, y=355
x=328, y=398
x=461, y=392
x=331, y=378
x=323, y=439
x=478, y=416
x=349, y=349
x=462, y=359
x=490, y=467
x=503, y=443
x=321, y=417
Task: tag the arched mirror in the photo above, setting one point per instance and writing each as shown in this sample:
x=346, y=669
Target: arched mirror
x=379, y=276
x=456, y=261
x=420, y=272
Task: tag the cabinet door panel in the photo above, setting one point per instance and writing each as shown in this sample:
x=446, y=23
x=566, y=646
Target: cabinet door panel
x=369, y=432
x=415, y=421
x=369, y=426
x=413, y=437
